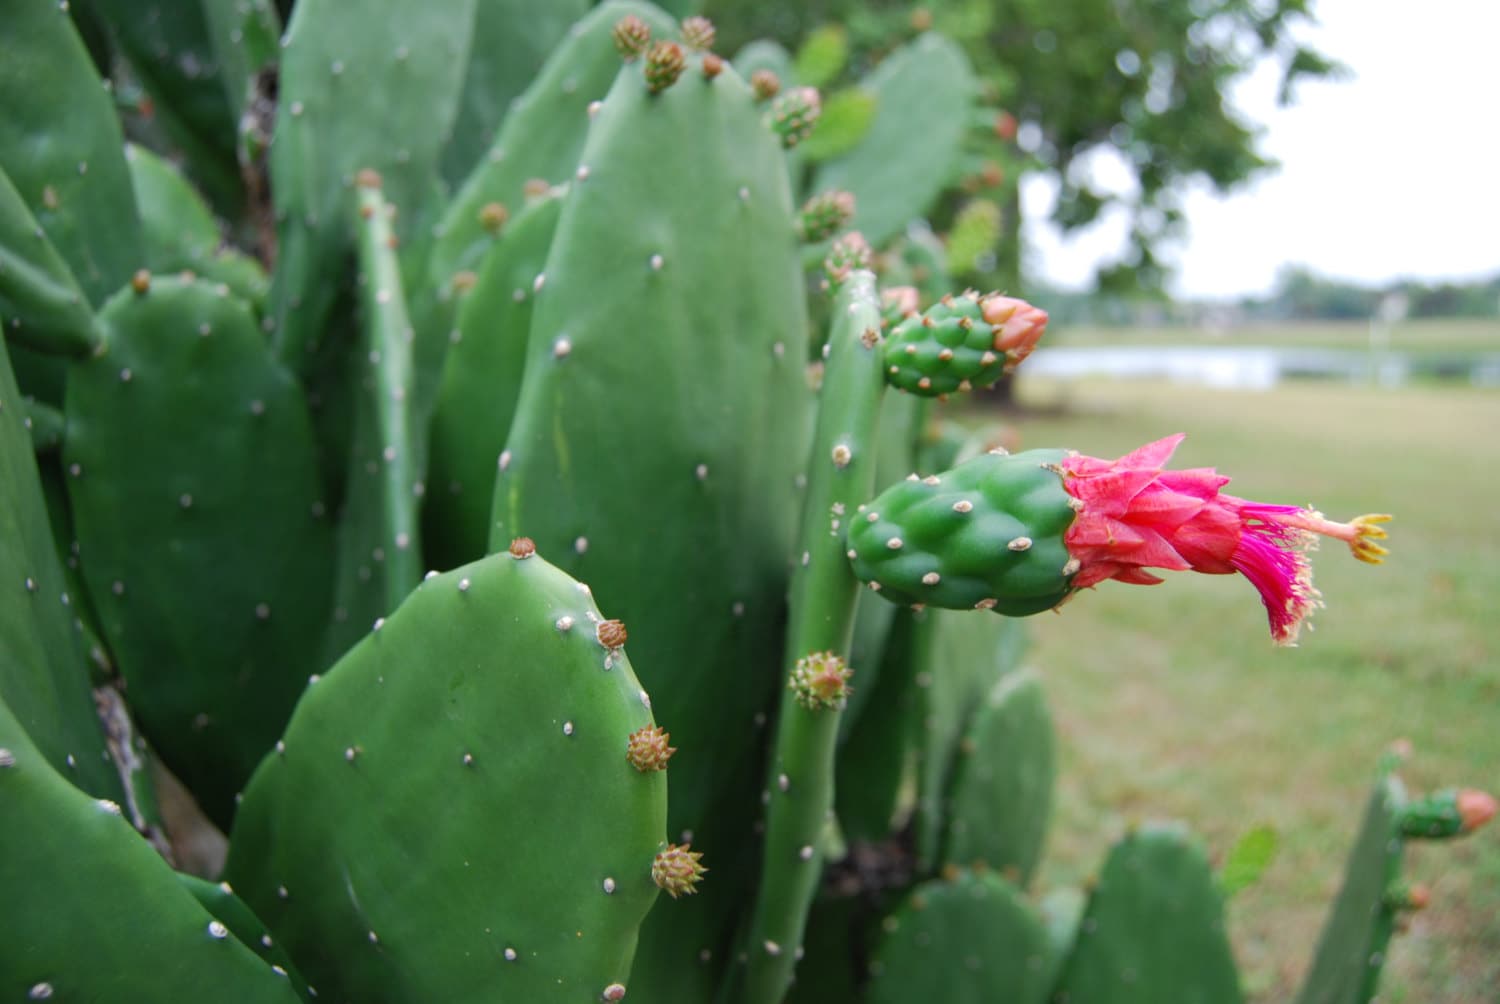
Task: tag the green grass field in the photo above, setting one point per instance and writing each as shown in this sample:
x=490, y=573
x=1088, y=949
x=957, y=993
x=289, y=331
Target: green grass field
x=1420, y=335
x=1172, y=702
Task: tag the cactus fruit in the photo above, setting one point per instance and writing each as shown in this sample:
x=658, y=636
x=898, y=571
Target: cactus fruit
x=1153, y=930
x=986, y=535
x=1018, y=534
x=963, y=940
x=962, y=343
x=479, y=832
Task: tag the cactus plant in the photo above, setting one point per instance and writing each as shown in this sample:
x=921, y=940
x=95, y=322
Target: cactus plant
x=238, y=452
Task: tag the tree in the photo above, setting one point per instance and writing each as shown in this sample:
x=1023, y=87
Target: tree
x=1143, y=79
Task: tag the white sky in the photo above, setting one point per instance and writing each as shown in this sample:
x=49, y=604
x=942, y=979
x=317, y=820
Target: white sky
x=1395, y=171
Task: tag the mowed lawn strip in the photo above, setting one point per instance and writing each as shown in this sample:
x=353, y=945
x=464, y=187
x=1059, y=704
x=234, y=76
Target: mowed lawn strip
x=1172, y=701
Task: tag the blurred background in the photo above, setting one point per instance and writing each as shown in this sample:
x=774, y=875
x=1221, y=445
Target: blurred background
x=1269, y=224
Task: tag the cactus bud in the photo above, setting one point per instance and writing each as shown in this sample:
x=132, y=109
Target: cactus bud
x=614, y=992
x=821, y=681
x=522, y=547
x=631, y=36
x=611, y=634
x=1018, y=327
x=765, y=84
x=493, y=216
x=824, y=215
x=698, y=33
x=647, y=749
x=898, y=303
x=677, y=870
x=1475, y=808
x=664, y=64
x=712, y=66
x=794, y=114
x=464, y=281
x=141, y=281
x=849, y=252
x=1005, y=126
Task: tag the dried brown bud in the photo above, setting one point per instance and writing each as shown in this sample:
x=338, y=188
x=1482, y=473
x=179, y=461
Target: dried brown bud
x=493, y=216
x=611, y=634
x=712, y=66
x=141, y=281
x=522, y=547
x=648, y=749
x=765, y=84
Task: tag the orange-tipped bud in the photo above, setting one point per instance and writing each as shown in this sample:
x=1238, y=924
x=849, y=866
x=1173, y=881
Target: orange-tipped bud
x=1475, y=808
x=1018, y=326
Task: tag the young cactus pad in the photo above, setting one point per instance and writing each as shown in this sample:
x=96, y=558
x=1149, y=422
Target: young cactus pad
x=1017, y=534
x=971, y=940
x=451, y=814
x=1153, y=931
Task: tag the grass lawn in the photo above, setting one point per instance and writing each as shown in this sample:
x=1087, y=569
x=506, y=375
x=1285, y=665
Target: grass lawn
x=1172, y=702
x=1420, y=335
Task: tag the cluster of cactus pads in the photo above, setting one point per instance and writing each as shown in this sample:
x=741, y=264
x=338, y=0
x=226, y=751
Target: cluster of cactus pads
x=335, y=493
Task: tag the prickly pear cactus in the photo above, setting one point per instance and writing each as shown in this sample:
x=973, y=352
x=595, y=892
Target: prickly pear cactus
x=963, y=940
x=193, y=484
x=58, y=849
x=675, y=449
x=451, y=813
x=1153, y=929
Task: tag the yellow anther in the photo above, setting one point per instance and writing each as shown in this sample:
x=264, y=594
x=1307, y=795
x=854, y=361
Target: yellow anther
x=1366, y=531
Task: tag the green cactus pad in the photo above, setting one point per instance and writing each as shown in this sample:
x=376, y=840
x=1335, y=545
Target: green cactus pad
x=1153, y=931
x=181, y=233
x=41, y=305
x=194, y=493
x=1000, y=800
x=43, y=677
x=1351, y=949
x=948, y=349
x=95, y=913
x=1432, y=817
x=335, y=55
x=971, y=940
x=961, y=659
x=451, y=814
x=987, y=534
x=512, y=39
x=923, y=95
x=481, y=385
x=218, y=898
x=68, y=166
x=656, y=444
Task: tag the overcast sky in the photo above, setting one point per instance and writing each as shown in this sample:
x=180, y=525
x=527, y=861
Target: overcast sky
x=1392, y=172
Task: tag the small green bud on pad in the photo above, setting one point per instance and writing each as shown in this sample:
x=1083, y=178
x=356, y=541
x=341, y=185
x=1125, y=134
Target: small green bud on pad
x=631, y=36
x=664, y=64
x=821, y=681
x=678, y=870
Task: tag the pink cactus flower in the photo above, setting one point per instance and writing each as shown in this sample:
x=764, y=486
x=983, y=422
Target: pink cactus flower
x=1134, y=515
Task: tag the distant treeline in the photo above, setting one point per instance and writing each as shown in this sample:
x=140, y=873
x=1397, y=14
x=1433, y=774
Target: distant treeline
x=1300, y=294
